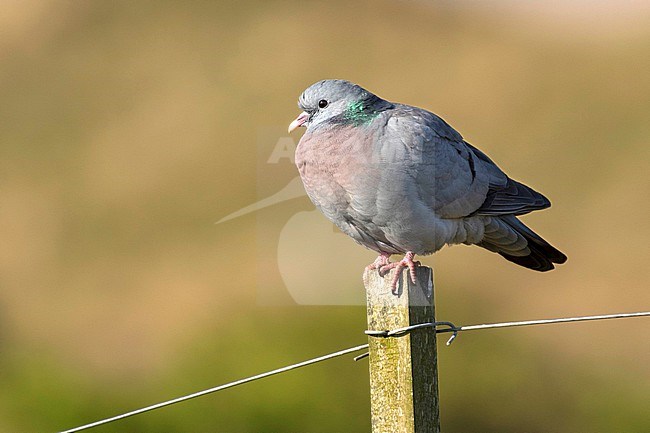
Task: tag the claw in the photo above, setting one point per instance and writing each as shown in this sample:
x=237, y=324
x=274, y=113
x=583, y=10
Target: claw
x=406, y=262
x=381, y=260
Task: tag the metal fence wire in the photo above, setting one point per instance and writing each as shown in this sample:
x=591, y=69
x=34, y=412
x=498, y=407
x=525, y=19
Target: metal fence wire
x=439, y=327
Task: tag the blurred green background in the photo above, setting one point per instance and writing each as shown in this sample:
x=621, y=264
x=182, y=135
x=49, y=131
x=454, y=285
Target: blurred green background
x=128, y=128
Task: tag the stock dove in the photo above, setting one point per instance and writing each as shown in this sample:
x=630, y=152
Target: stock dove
x=399, y=180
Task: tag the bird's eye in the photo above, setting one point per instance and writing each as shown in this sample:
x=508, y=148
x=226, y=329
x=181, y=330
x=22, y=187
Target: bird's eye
x=322, y=103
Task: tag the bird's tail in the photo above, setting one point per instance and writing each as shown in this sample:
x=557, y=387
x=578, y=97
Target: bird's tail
x=513, y=240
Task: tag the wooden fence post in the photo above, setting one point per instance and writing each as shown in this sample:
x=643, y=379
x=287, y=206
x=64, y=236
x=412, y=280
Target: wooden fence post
x=403, y=370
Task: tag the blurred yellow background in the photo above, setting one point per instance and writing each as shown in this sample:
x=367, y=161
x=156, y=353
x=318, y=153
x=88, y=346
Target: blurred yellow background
x=129, y=128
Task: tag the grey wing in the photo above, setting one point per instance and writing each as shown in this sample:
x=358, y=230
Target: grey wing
x=507, y=196
x=440, y=164
x=456, y=179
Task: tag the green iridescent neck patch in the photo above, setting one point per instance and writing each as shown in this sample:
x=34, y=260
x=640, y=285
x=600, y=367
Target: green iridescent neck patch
x=359, y=114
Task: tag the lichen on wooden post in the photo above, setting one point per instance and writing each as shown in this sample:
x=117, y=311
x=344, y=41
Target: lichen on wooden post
x=403, y=370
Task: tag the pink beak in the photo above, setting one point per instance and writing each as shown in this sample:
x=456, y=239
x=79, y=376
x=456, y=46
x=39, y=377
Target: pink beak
x=300, y=120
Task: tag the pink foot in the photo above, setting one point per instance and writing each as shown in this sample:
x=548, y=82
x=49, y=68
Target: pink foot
x=407, y=261
x=381, y=260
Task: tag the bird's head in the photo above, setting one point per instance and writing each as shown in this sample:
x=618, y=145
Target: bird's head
x=336, y=102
